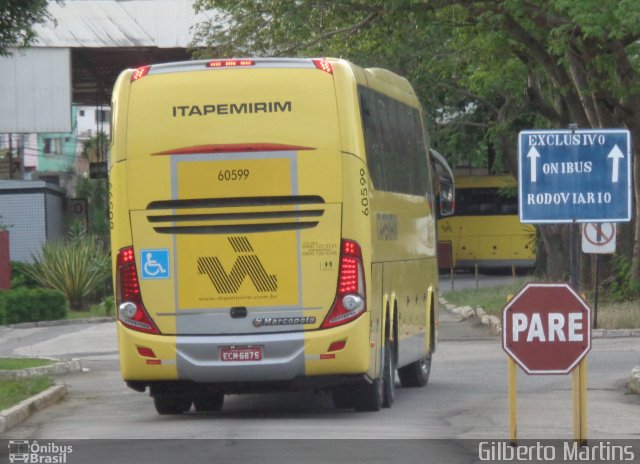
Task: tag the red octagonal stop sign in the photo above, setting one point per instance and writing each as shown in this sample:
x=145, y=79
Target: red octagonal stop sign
x=546, y=328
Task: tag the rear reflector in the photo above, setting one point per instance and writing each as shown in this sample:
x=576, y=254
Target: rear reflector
x=146, y=352
x=229, y=63
x=337, y=346
x=140, y=72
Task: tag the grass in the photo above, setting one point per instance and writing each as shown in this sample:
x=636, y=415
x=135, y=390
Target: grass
x=624, y=315
x=492, y=299
x=14, y=391
x=611, y=315
x=12, y=364
x=97, y=310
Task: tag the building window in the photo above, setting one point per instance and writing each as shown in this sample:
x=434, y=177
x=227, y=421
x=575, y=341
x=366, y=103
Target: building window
x=81, y=112
x=52, y=146
x=103, y=115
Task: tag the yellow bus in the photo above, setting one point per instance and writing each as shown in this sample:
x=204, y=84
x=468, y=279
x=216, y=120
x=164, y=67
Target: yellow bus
x=273, y=228
x=485, y=230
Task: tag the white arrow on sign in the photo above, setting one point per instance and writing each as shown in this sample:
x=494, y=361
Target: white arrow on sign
x=533, y=155
x=616, y=155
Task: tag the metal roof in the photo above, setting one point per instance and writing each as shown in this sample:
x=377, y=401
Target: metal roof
x=107, y=36
x=110, y=23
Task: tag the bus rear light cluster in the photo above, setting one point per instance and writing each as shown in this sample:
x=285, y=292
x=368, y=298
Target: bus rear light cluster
x=131, y=310
x=350, y=295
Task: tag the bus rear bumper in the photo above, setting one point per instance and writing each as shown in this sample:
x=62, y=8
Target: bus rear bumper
x=285, y=356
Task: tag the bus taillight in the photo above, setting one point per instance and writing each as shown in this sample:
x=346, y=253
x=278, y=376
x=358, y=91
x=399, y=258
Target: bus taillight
x=131, y=311
x=140, y=72
x=323, y=65
x=350, y=296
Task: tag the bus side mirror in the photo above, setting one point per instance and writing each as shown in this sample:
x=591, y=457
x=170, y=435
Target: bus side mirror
x=446, y=200
x=445, y=184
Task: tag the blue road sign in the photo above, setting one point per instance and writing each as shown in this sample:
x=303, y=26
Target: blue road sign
x=581, y=176
x=155, y=263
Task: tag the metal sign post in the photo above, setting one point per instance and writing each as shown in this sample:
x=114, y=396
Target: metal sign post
x=597, y=239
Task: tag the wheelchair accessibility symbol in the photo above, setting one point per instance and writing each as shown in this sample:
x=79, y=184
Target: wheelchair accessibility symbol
x=155, y=264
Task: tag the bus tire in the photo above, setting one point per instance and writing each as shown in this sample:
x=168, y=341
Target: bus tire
x=370, y=397
x=417, y=373
x=167, y=404
x=389, y=376
x=208, y=403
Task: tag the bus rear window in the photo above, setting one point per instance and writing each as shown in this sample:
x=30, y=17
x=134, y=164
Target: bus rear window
x=486, y=201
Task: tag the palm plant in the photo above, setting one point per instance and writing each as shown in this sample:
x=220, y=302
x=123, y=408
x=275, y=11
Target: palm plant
x=77, y=268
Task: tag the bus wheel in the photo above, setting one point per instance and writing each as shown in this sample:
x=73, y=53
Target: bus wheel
x=370, y=397
x=389, y=376
x=208, y=403
x=417, y=373
x=167, y=404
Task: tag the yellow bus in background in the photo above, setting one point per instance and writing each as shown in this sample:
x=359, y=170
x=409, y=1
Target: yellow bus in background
x=273, y=228
x=485, y=230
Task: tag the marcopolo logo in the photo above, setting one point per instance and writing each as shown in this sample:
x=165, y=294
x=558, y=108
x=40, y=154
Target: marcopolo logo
x=276, y=321
x=247, y=264
x=38, y=453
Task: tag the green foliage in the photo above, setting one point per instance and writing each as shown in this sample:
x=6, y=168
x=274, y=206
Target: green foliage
x=32, y=305
x=94, y=148
x=80, y=269
x=96, y=191
x=20, y=278
x=623, y=286
x=108, y=304
x=17, y=18
x=483, y=70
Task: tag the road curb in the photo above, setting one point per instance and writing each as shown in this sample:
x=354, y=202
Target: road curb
x=59, y=368
x=11, y=417
x=479, y=313
x=89, y=320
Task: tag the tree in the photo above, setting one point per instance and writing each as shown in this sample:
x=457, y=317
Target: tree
x=484, y=69
x=17, y=18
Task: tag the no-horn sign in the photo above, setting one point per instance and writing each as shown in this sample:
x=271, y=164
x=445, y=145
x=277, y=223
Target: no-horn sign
x=599, y=238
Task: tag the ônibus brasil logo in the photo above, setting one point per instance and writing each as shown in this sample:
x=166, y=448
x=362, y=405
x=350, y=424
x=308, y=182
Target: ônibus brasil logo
x=33, y=452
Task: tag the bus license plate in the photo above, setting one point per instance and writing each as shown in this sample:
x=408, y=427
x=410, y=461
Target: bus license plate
x=241, y=353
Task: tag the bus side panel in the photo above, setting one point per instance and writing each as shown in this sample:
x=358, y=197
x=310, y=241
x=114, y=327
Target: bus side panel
x=405, y=242
x=410, y=283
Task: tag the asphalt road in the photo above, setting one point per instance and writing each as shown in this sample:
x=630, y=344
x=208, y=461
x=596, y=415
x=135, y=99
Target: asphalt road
x=466, y=399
